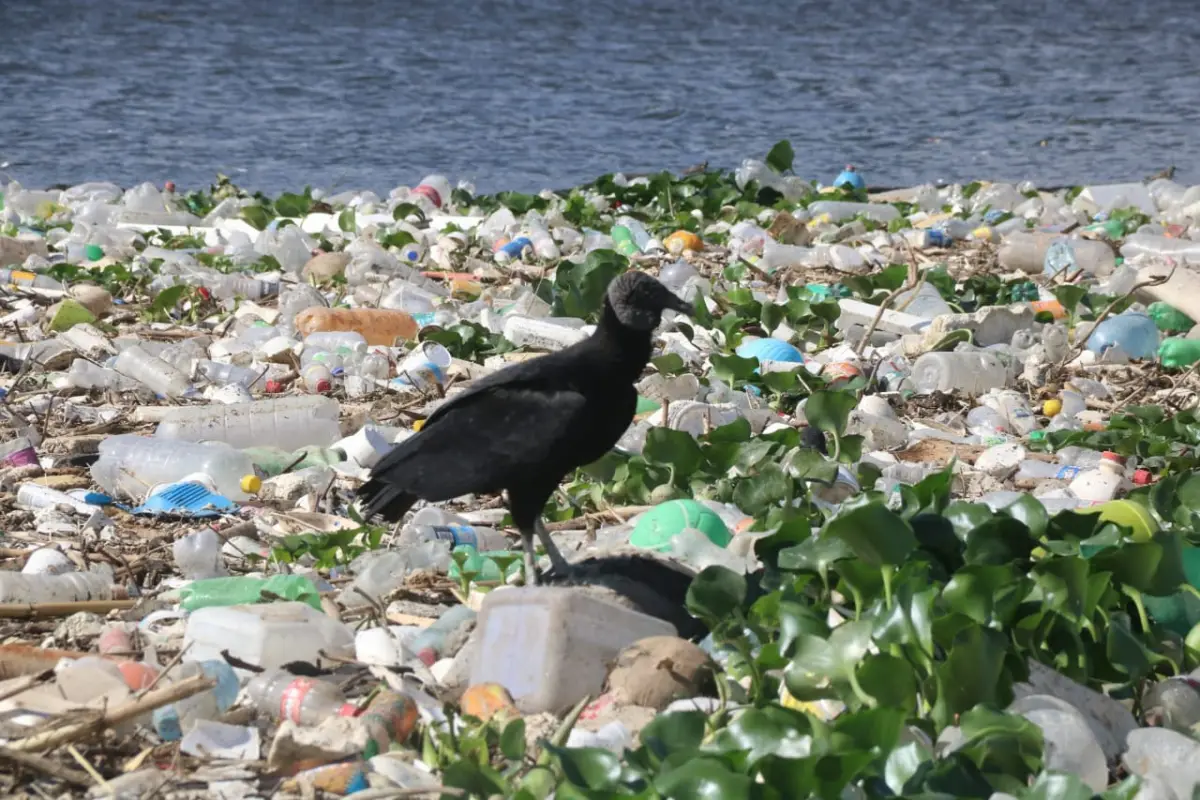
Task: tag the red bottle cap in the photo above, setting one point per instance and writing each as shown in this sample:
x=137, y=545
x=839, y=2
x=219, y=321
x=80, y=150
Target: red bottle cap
x=1142, y=477
x=274, y=387
x=1109, y=455
x=324, y=385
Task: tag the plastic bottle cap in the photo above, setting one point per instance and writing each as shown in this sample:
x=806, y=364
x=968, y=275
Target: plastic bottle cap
x=324, y=385
x=1052, y=407
x=251, y=484
x=1109, y=455
x=417, y=425
x=1142, y=477
x=274, y=387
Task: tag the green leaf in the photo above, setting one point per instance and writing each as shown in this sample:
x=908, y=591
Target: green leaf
x=482, y=781
x=347, y=220
x=890, y=680
x=838, y=656
x=674, y=448
x=781, y=156
x=770, y=731
x=166, y=300
x=1069, y=296
x=257, y=216
x=588, y=767
x=703, y=779
x=829, y=410
x=292, y=205
x=674, y=732
x=1029, y=510
x=971, y=674
x=1123, y=648
x=716, y=593
x=512, y=740
x=1000, y=743
x=1058, y=786
x=669, y=364
x=733, y=368
x=903, y=763
x=817, y=555
x=875, y=534
x=735, y=432
x=756, y=493
x=403, y=211
x=972, y=589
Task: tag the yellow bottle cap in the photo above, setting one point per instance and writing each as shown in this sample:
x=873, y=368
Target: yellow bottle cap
x=1051, y=407
x=417, y=425
x=251, y=484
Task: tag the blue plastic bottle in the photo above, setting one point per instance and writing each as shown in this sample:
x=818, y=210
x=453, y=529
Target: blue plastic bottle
x=1136, y=334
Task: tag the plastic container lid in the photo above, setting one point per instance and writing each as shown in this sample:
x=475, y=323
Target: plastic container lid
x=656, y=527
x=251, y=484
x=1142, y=477
x=324, y=385
x=1109, y=455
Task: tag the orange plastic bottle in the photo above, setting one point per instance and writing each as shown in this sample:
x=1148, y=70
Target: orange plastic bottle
x=377, y=325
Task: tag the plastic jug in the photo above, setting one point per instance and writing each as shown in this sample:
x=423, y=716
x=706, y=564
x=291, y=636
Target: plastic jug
x=288, y=423
x=268, y=635
x=1134, y=333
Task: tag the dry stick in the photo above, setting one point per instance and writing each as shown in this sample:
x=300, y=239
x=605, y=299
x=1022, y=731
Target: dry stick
x=1180, y=381
x=47, y=766
x=113, y=717
x=911, y=283
x=1159, y=281
x=44, y=610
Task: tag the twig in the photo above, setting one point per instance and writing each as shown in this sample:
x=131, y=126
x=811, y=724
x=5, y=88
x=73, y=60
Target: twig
x=1159, y=281
x=45, y=610
x=113, y=717
x=910, y=284
x=47, y=767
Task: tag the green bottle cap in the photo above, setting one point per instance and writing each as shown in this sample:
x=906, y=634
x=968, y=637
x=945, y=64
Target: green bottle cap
x=93, y=252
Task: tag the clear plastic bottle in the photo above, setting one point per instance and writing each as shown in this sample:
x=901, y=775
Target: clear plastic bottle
x=18, y=277
x=1026, y=251
x=288, y=423
x=1134, y=333
x=435, y=189
x=86, y=375
x=407, y=297
x=1101, y=484
x=1031, y=469
x=227, y=286
x=971, y=372
x=198, y=555
x=304, y=701
x=544, y=246
x=335, y=340
x=154, y=373
x=317, y=378
x=227, y=374
x=842, y=210
x=1154, y=246
x=35, y=495
x=485, y=540
x=172, y=721
x=69, y=587
x=131, y=465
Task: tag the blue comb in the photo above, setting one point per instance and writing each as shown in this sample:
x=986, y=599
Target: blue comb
x=186, y=500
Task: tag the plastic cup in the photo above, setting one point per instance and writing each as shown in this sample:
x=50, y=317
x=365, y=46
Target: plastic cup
x=424, y=367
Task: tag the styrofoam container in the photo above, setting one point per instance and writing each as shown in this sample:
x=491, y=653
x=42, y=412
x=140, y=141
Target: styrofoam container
x=268, y=635
x=551, y=646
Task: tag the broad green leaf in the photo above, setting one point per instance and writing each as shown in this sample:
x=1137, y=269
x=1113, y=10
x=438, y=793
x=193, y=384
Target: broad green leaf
x=781, y=156
x=770, y=487
x=875, y=534
x=829, y=410
x=512, y=740
x=257, y=216
x=716, y=593
x=703, y=779
x=675, y=732
x=903, y=763
x=769, y=731
x=971, y=673
x=348, y=221
x=674, y=448
x=890, y=680
x=733, y=368
x=588, y=767
x=1029, y=510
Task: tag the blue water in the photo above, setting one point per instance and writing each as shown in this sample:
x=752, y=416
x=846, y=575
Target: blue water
x=525, y=95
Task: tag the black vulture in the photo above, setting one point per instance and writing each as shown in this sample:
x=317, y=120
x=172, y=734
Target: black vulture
x=523, y=428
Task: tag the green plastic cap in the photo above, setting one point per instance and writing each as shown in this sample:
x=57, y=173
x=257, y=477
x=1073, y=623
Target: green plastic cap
x=656, y=527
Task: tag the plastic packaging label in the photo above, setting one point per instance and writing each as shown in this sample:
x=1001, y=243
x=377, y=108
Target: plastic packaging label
x=292, y=699
x=1066, y=473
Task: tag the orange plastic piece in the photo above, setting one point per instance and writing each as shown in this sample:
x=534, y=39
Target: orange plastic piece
x=379, y=326
x=1053, y=306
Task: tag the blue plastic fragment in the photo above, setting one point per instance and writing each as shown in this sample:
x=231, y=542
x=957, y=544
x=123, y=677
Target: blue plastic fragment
x=186, y=500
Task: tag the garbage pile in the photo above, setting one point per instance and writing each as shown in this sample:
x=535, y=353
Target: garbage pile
x=908, y=505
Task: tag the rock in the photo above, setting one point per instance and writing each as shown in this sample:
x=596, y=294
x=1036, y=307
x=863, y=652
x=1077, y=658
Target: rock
x=95, y=299
x=1002, y=460
x=654, y=671
x=1110, y=721
x=81, y=626
x=14, y=250
x=325, y=266
x=1170, y=757
x=334, y=739
x=1173, y=703
x=1069, y=744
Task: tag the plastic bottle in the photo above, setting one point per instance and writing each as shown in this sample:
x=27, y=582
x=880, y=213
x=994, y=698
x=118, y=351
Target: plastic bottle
x=174, y=720
x=304, y=701
x=69, y=587
x=317, y=378
x=485, y=540
x=971, y=372
x=1014, y=408
x=925, y=302
x=288, y=423
x=86, y=375
x=131, y=465
x=228, y=286
x=1178, y=352
x=1169, y=319
x=1031, y=469
x=410, y=298
x=198, y=555
x=1026, y=251
x=1155, y=246
x=154, y=373
x=243, y=590
x=18, y=277
x=335, y=341
x=34, y=495
x=220, y=374
x=377, y=325
x=1136, y=334
x=434, y=188
x=841, y=210
x=430, y=644
x=1100, y=485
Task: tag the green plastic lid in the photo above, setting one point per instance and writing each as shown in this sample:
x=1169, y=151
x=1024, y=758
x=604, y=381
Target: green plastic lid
x=93, y=252
x=1037, y=436
x=646, y=406
x=656, y=527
